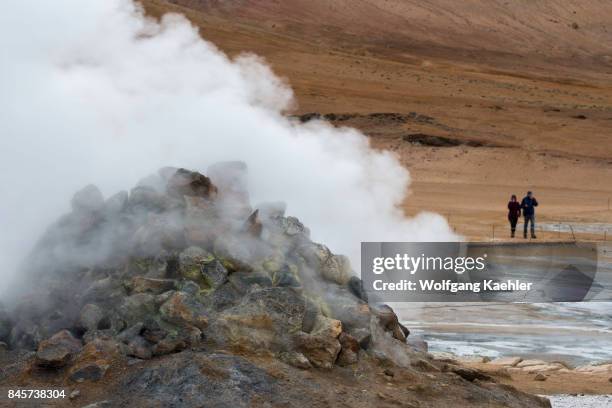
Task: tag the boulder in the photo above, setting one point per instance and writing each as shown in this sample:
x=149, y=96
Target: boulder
x=137, y=307
x=116, y=204
x=141, y=284
x=354, y=313
x=337, y=268
x=322, y=351
x=355, y=285
x=140, y=348
x=324, y=326
x=292, y=227
x=130, y=333
x=183, y=310
x=90, y=317
x=153, y=331
x=264, y=319
x=253, y=225
x=190, y=259
x=243, y=281
x=334, y=268
x=387, y=348
x=174, y=340
x=87, y=200
x=90, y=371
x=58, y=350
x=214, y=273
x=350, y=349
x=26, y=334
x=143, y=199
x=202, y=267
x=286, y=275
x=168, y=345
x=190, y=183
x=94, y=359
x=388, y=320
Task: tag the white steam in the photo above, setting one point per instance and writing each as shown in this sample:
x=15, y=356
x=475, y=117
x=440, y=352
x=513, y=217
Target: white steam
x=93, y=92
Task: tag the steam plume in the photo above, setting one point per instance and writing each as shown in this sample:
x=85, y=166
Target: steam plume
x=94, y=92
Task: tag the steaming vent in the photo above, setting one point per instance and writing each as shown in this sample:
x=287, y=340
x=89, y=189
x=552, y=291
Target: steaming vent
x=184, y=260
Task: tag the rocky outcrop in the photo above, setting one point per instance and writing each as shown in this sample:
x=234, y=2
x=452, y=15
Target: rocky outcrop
x=183, y=281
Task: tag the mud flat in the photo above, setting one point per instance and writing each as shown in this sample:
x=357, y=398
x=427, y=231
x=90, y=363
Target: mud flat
x=585, y=401
x=577, y=333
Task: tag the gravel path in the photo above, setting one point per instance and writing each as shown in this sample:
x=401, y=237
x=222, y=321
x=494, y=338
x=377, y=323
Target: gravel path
x=583, y=401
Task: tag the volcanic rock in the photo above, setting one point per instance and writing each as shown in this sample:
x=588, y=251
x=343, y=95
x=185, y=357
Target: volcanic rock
x=320, y=350
x=211, y=312
x=350, y=349
x=88, y=200
x=295, y=359
x=190, y=183
x=264, y=319
x=94, y=359
x=58, y=350
x=141, y=284
x=183, y=310
x=91, y=316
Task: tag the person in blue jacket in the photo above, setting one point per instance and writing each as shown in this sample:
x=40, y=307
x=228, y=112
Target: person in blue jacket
x=528, y=206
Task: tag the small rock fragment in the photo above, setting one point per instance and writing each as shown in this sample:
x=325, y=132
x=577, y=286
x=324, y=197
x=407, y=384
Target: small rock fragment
x=295, y=359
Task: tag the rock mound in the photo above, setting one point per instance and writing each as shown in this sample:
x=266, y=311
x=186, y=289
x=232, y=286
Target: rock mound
x=185, y=279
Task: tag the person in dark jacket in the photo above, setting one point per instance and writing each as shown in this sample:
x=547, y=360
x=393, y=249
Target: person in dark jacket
x=528, y=206
x=514, y=212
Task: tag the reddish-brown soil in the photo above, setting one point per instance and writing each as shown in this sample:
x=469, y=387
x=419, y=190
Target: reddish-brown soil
x=533, y=78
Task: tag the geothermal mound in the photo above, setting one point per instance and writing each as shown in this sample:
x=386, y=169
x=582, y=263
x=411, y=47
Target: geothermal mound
x=181, y=293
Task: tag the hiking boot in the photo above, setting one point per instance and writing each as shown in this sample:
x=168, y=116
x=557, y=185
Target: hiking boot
x=525, y=236
x=512, y=234
x=533, y=236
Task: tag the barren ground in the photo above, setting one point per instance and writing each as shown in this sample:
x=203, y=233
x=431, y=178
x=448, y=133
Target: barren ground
x=534, y=80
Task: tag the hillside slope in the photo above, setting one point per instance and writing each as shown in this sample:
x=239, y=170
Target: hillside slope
x=530, y=81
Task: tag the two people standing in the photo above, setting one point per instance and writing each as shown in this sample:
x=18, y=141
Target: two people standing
x=527, y=207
